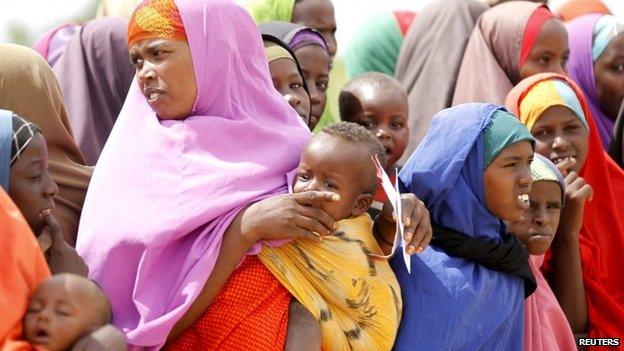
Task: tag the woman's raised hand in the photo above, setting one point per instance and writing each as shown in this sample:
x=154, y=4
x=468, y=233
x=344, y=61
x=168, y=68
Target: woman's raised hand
x=416, y=221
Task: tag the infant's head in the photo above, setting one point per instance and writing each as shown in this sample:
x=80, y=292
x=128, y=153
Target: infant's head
x=339, y=159
x=63, y=309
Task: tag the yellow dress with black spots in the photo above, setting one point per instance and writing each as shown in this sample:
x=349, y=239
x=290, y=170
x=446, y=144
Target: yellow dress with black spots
x=344, y=283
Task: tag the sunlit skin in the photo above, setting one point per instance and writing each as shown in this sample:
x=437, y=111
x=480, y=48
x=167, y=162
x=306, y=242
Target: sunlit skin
x=334, y=164
x=288, y=81
x=315, y=63
x=562, y=138
x=538, y=225
x=165, y=75
x=319, y=15
x=550, y=51
x=507, y=178
x=609, y=76
x=384, y=112
x=57, y=315
x=31, y=186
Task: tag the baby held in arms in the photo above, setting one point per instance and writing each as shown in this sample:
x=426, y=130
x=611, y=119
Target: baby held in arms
x=63, y=309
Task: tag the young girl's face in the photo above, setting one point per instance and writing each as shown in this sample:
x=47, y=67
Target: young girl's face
x=314, y=62
x=508, y=180
x=288, y=81
x=538, y=225
x=609, y=76
x=550, y=51
x=384, y=113
x=165, y=75
x=330, y=163
x=31, y=186
x=561, y=137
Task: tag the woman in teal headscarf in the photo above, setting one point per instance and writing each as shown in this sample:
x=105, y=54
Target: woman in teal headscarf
x=375, y=46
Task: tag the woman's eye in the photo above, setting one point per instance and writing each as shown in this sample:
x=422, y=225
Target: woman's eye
x=553, y=207
x=295, y=85
x=330, y=185
x=540, y=133
x=544, y=61
x=618, y=68
x=303, y=176
x=572, y=127
x=322, y=86
x=511, y=165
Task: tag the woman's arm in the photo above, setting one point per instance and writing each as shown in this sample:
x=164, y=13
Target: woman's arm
x=567, y=278
x=278, y=217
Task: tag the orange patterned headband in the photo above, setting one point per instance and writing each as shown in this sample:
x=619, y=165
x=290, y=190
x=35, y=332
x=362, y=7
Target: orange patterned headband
x=155, y=19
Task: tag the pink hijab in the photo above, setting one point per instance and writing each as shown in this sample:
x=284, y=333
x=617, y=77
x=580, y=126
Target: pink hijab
x=164, y=192
x=545, y=325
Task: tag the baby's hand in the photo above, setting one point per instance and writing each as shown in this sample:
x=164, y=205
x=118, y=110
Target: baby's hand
x=61, y=257
x=416, y=222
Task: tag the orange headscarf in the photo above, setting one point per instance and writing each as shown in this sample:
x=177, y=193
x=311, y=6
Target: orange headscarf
x=575, y=8
x=156, y=19
x=22, y=268
x=602, y=233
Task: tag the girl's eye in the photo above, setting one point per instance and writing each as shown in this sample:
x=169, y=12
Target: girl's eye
x=618, y=68
x=553, y=207
x=511, y=165
x=330, y=185
x=322, y=86
x=572, y=127
x=366, y=124
x=544, y=61
x=398, y=125
x=295, y=85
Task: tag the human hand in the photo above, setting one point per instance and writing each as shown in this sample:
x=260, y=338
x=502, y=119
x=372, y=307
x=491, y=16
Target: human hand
x=106, y=338
x=577, y=192
x=417, y=224
x=61, y=257
x=566, y=165
x=289, y=216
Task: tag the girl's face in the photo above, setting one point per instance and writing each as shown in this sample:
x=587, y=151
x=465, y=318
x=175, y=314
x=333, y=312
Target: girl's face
x=538, y=225
x=31, y=186
x=550, y=51
x=609, y=76
x=508, y=180
x=315, y=65
x=561, y=137
x=165, y=75
x=319, y=15
x=288, y=81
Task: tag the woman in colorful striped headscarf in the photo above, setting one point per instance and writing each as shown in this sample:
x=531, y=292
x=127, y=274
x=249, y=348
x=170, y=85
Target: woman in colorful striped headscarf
x=556, y=111
x=596, y=65
x=545, y=324
x=375, y=46
x=510, y=42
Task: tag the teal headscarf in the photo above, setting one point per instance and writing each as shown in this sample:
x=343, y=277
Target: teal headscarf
x=271, y=10
x=375, y=47
x=504, y=130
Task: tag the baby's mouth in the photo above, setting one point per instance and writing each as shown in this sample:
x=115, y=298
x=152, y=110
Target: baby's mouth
x=42, y=337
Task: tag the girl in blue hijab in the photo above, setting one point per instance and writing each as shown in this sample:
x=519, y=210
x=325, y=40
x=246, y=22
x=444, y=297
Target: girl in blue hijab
x=466, y=290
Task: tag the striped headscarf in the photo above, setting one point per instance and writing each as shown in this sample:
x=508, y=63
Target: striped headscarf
x=15, y=135
x=605, y=30
x=156, y=19
x=546, y=94
x=542, y=169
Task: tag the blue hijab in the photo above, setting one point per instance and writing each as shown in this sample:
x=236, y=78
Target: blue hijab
x=450, y=303
x=6, y=137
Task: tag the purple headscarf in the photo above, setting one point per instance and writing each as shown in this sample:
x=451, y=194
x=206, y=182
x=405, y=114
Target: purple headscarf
x=95, y=73
x=581, y=70
x=52, y=43
x=164, y=192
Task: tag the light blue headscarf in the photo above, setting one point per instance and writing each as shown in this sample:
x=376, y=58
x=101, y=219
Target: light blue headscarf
x=605, y=30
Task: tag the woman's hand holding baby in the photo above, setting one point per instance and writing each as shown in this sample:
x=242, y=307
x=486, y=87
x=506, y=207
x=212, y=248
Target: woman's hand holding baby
x=289, y=216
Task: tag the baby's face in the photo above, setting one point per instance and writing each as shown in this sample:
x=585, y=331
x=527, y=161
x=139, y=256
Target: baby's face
x=330, y=163
x=538, y=225
x=59, y=313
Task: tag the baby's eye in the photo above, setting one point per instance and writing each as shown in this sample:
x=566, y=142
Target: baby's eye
x=330, y=185
x=62, y=312
x=303, y=176
x=366, y=124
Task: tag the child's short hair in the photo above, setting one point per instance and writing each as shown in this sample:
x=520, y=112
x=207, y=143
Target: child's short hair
x=348, y=95
x=356, y=133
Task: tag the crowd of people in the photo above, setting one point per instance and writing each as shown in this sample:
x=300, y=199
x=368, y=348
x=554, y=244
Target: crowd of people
x=209, y=175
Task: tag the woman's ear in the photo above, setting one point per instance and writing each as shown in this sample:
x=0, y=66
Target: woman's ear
x=362, y=204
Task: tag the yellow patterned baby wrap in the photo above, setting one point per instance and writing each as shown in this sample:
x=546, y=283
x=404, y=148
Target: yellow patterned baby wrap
x=341, y=281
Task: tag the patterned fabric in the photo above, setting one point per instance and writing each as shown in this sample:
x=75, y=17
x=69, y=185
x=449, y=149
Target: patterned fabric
x=249, y=313
x=156, y=19
x=542, y=169
x=23, y=133
x=353, y=294
x=546, y=94
x=276, y=52
x=606, y=29
x=6, y=138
